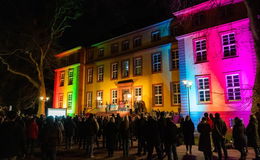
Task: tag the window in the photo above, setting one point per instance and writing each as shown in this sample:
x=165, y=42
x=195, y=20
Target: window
x=158, y=94
x=114, y=70
x=89, y=99
x=90, y=75
x=100, y=73
x=233, y=87
x=176, y=96
x=60, y=100
x=114, y=96
x=101, y=52
x=137, y=42
x=90, y=56
x=203, y=89
x=114, y=48
x=62, y=76
x=155, y=36
x=174, y=63
x=137, y=66
x=229, y=45
x=156, y=62
x=201, y=50
x=69, y=106
x=198, y=19
x=125, y=68
x=138, y=93
x=99, y=98
x=70, y=80
x=125, y=45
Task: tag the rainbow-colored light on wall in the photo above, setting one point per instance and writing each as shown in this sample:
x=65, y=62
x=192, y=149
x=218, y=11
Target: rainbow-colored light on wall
x=66, y=95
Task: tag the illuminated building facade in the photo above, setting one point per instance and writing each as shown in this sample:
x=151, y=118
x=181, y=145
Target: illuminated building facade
x=141, y=66
x=209, y=46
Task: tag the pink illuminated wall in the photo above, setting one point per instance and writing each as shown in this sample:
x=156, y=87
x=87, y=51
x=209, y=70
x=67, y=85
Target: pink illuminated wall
x=217, y=67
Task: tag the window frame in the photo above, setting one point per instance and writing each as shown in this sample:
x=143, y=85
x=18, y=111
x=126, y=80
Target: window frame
x=102, y=97
x=158, y=37
x=90, y=78
x=200, y=51
x=111, y=70
x=89, y=100
x=135, y=96
x=125, y=45
x=226, y=85
x=111, y=96
x=204, y=89
x=134, y=66
x=161, y=69
x=62, y=78
x=60, y=100
x=228, y=45
x=114, y=49
x=70, y=78
x=175, y=59
x=98, y=74
x=178, y=94
x=135, y=45
x=154, y=95
x=69, y=101
x=122, y=68
x=101, y=52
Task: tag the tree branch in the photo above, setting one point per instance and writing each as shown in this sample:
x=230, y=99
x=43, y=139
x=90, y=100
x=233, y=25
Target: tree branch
x=34, y=83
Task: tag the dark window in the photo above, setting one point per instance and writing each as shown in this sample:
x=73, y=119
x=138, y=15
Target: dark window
x=155, y=36
x=137, y=42
x=114, y=48
x=125, y=45
x=101, y=52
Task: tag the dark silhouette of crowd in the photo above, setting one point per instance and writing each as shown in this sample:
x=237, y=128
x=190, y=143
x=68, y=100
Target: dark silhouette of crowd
x=159, y=131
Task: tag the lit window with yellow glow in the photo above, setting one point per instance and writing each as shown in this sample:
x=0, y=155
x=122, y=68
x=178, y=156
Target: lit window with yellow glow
x=90, y=75
x=138, y=93
x=99, y=98
x=60, y=104
x=137, y=66
x=62, y=76
x=176, y=96
x=114, y=96
x=100, y=73
x=158, y=94
x=114, y=71
x=89, y=99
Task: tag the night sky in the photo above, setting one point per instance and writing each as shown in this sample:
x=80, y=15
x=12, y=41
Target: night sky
x=100, y=20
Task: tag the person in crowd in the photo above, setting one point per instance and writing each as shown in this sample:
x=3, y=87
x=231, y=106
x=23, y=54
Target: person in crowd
x=219, y=131
x=212, y=118
x=140, y=133
x=188, y=133
x=204, y=139
x=171, y=132
x=162, y=125
x=105, y=122
x=49, y=139
x=153, y=140
x=110, y=131
x=70, y=127
x=239, y=138
x=91, y=133
x=253, y=136
x=82, y=133
x=209, y=120
x=32, y=131
x=125, y=134
x=12, y=138
x=118, y=121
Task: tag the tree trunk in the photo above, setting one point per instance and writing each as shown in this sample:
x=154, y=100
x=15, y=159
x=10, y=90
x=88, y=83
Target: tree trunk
x=253, y=11
x=42, y=96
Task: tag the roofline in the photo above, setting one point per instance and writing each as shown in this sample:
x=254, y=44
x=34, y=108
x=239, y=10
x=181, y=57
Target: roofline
x=135, y=31
x=68, y=52
x=205, y=5
x=65, y=67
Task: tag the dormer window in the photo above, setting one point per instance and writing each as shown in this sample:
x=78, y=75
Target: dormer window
x=155, y=36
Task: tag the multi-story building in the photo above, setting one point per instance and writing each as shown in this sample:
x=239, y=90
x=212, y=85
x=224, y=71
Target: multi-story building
x=217, y=57
x=137, y=66
x=208, y=46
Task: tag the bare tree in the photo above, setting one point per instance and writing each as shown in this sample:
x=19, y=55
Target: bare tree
x=29, y=39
